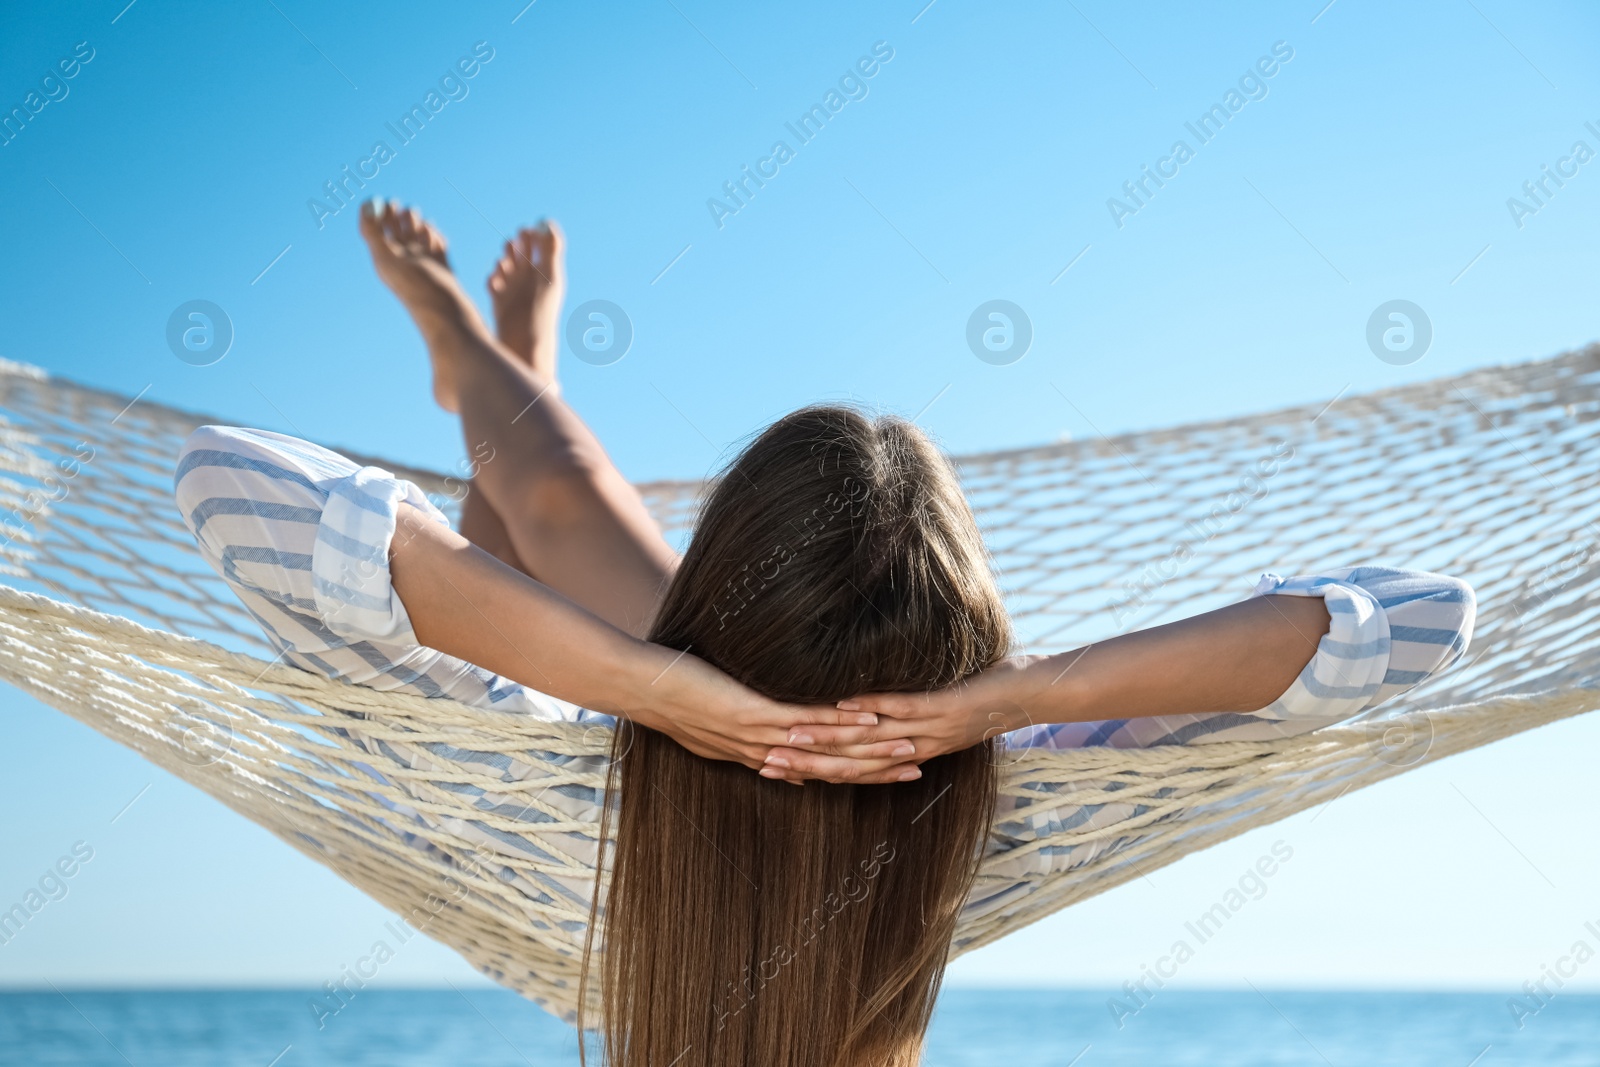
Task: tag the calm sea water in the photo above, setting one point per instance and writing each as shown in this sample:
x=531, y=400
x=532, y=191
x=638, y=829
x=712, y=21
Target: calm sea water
x=1034, y=1028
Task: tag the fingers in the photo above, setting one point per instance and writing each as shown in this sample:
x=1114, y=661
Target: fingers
x=894, y=705
x=796, y=765
x=827, y=727
x=881, y=763
x=832, y=738
x=823, y=715
x=898, y=748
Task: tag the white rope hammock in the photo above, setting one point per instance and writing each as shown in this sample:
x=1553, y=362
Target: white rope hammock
x=1493, y=476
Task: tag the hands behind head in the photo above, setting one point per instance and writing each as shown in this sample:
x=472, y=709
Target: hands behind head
x=867, y=740
x=711, y=715
x=911, y=728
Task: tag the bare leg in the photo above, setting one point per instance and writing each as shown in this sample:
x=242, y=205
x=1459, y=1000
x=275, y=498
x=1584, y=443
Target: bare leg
x=526, y=288
x=482, y=525
x=568, y=514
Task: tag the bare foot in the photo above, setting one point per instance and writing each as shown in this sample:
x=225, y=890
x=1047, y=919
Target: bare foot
x=410, y=257
x=526, y=288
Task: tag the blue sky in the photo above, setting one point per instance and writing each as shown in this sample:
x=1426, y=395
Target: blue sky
x=975, y=164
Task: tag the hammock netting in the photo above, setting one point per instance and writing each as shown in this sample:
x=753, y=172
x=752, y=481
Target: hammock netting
x=1493, y=476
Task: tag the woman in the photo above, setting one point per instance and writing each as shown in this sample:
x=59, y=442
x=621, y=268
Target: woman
x=834, y=619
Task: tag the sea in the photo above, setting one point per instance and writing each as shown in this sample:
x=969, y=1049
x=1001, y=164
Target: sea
x=479, y=1027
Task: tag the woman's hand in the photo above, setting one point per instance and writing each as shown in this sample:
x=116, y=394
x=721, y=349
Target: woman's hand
x=933, y=723
x=714, y=716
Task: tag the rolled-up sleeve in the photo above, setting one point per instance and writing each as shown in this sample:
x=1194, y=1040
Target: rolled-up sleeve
x=1389, y=631
x=1351, y=659
x=351, y=582
x=301, y=528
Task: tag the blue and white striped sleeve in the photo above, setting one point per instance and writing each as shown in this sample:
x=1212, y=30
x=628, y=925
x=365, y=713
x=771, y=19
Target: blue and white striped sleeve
x=302, y=536
x=1389, y=630
x=300, y=526
x=350, y=562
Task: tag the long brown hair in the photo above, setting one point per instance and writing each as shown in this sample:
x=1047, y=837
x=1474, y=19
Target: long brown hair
x=750, y=922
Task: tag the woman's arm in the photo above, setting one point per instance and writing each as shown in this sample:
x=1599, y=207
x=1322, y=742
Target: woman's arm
x=1314, y=650
x=1239, y=658
x=464, y=602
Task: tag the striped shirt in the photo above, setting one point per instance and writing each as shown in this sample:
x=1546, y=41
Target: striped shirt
x=302, y=536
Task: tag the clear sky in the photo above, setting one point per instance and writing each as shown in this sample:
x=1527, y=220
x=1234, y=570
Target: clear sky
x=181, y=160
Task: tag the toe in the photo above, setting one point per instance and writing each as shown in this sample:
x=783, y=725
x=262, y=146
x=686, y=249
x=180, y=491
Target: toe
x=500, y=276
x=370, y=225
x=558, y=240
x=389, y=220
x=430, y=236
